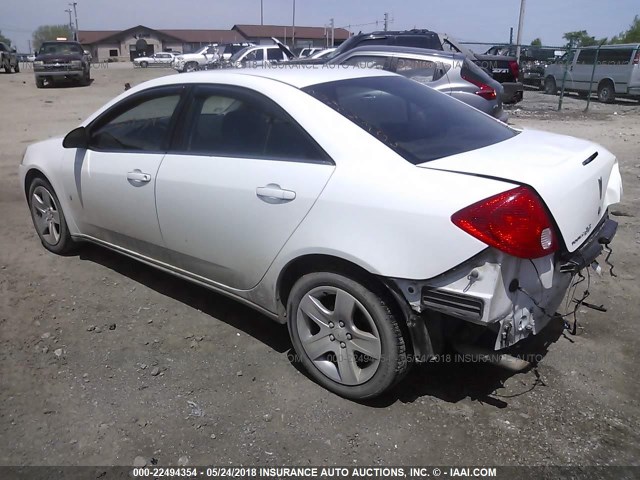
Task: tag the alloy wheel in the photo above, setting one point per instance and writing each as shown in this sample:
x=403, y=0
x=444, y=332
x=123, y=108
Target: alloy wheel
x=46, y=215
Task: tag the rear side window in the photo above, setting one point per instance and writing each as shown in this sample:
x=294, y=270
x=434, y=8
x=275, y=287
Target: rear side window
x=418, y=123
x=615, y=56
x=274, y=54
x=423, y=71
x=366, y=61
x=232, y=123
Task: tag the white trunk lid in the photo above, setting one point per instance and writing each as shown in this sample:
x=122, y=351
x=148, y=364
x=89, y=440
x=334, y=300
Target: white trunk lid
x=576, y=185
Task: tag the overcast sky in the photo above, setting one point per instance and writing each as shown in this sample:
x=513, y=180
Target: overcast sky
x=468, y=20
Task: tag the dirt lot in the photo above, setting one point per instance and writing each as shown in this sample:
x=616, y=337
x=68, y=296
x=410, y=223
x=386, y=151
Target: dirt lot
x=103, y=359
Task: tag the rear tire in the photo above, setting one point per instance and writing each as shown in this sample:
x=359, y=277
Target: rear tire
x=39, y=82
x=606, y=92
x=48, y=217
x=346, y=335
x=550, y=87
x=16, y=69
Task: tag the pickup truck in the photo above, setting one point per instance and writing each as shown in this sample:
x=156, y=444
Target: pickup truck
x=502, y=68
x=206, y=57
x=8, y=58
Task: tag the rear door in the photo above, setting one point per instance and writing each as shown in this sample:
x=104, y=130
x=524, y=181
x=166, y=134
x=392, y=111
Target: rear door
x=241, y=179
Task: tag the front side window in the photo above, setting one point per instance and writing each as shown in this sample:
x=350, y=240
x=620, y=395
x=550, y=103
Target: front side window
x=418, y=123
x=142, y=127
x=237, y=124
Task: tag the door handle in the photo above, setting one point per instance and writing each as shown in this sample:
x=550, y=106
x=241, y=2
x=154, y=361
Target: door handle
x=272, y=193
x=138, y=176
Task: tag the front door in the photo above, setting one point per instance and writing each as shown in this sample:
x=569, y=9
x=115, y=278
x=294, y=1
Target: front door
x=115, y=177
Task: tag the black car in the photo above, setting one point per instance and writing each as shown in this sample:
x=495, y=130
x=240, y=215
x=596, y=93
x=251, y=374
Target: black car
x=62, y=60
x=502, y=68
x=533, y=61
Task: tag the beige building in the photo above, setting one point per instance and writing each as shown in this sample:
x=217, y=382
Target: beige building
x=125, y=45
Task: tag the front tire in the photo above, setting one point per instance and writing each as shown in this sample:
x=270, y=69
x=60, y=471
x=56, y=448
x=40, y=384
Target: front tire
x=191, y=67
x=48, y=217
x=144, y=64
x=550, y=87
x=16, y=69
x=346, y=335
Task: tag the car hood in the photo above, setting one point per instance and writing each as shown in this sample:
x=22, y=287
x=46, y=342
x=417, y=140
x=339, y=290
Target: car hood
x=577, y=179
x=58, y=57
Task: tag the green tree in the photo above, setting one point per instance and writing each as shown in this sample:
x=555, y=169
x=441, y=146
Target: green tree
x=632, y=35
x=50, y=32
x=581, y=38
x=536, y=42
x=4, y=39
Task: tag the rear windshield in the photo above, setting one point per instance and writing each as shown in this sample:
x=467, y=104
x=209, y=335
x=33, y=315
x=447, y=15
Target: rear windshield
x=417, y=122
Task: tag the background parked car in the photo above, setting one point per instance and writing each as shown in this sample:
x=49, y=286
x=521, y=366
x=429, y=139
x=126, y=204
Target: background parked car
x=617, y=72
x=260, y=55
x=322, y=53
x=502, y=68
x=309, y=51
x=188, y=62
x=450, y=73
x=8, y=58
x=161, y=59
x=62, y=60
x=533, y=61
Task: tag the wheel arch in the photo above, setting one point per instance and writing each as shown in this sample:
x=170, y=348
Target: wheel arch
x=607, y=80
x=310, y=263
x=30, y=176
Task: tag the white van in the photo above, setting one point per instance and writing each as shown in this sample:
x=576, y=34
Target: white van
x=617, y=72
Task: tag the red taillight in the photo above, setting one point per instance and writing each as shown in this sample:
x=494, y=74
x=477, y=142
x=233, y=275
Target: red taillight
x=515, y=222
x=515, y=69
x=485, y=91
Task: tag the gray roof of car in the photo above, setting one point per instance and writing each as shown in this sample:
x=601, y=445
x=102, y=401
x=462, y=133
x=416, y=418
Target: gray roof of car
x=407, y=50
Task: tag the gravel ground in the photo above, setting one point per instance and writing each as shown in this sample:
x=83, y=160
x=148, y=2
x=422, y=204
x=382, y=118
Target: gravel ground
x=103, y=359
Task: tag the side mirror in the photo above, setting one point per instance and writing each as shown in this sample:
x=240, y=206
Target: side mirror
x=76, y=138
x=86, y=52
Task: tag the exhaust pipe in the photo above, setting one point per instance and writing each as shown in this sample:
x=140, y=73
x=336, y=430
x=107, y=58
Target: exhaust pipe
x=503, y=360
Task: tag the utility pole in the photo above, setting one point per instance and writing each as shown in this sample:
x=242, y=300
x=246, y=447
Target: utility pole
x=261, y=12
x=511, y=36
x=333, y=32
x=520, y=22
x=29, y=46
x=75, y=14
x=293, y=33
x=386, y=22
x=68, y=10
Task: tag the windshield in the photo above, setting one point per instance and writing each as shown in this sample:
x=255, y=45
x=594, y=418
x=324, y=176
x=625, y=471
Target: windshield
x=236, y=56
x=60, y=49
x=415, y=121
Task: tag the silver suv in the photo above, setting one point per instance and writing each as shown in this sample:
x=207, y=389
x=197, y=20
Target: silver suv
x=450, y=73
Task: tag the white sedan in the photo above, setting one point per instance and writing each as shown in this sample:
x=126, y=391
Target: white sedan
x=368, y=212
x=162, y=59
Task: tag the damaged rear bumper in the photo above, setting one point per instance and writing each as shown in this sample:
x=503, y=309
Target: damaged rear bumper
x=512, y=297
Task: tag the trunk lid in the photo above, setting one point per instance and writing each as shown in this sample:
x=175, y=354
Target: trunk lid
x=577, y=179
